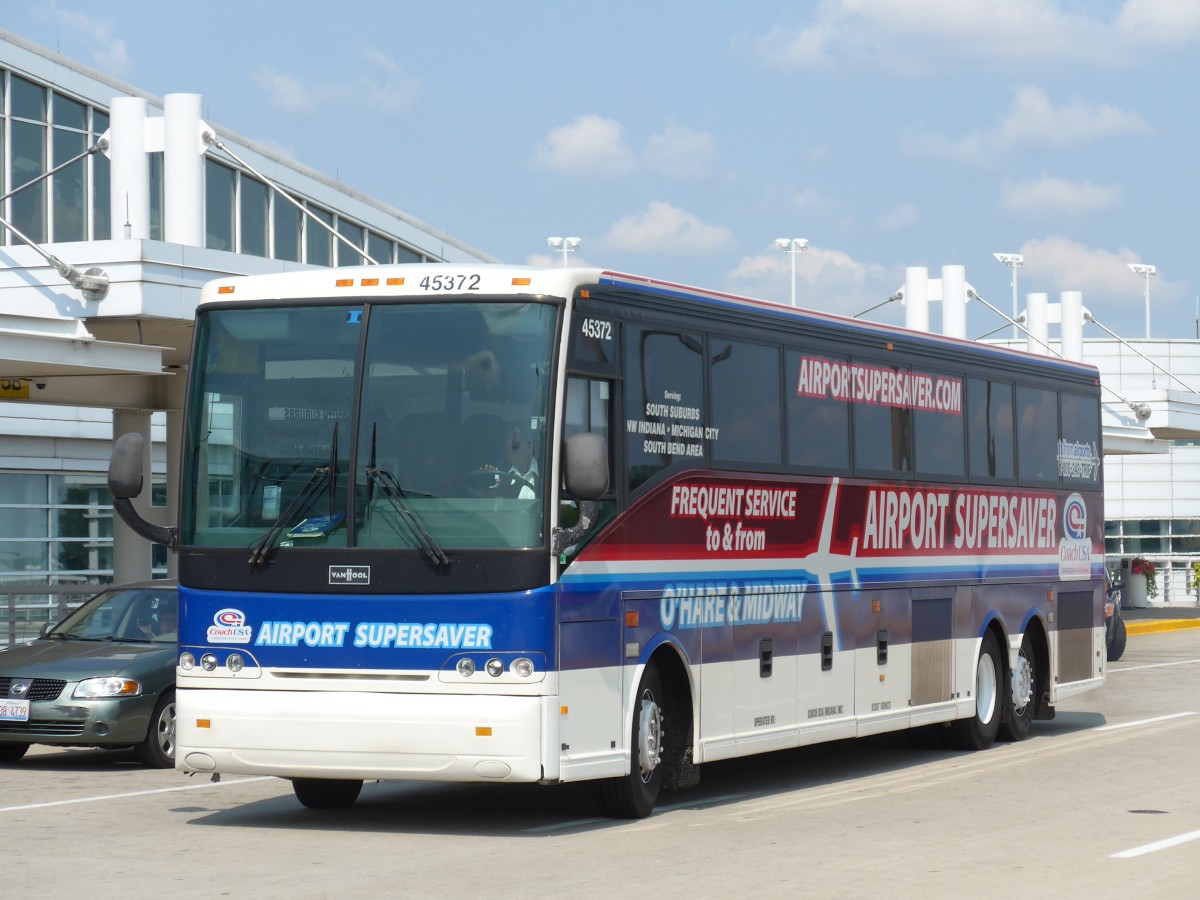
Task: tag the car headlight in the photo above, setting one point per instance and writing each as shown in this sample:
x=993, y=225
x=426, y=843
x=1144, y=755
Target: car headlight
x=93, y=688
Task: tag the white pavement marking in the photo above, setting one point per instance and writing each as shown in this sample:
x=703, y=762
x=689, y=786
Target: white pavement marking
x=1144, y=721
x=185, y=787
x=1164, y=844
x=1182, y=662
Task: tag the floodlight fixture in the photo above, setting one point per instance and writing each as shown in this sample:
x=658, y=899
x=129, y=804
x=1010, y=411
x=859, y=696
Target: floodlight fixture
x=792, y=246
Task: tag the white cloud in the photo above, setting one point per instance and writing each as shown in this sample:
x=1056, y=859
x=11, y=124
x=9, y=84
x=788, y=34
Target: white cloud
x=396, y=92
x=1046, y=196
x=1034, y=121
x=680, y=152
x=918, y=37
x=284, y=90
x=108, y=51
x=827, y=280
x=810, y=200
x=1111, y=291
x=392, y=93
x=664, y=228
x=902, y=216
x=591, y=145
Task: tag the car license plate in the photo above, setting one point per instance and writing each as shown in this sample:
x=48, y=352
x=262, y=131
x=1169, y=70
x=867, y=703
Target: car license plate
x=14, y=710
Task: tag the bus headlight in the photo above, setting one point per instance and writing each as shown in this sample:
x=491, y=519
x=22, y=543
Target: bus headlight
x=235, y=662
x=187, y=661
x=521, y=667
x=466, y=667
x=208, y=662
x=494, y=667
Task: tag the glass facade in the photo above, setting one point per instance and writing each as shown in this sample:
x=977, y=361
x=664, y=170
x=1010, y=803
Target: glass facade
x=41, y=128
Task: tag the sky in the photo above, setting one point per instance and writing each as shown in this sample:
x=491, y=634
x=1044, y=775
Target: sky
x=679, y=140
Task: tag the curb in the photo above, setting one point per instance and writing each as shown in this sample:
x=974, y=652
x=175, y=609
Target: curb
x=1150, y=626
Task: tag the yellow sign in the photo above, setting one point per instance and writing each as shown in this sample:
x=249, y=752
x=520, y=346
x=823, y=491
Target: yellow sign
x=14, y=389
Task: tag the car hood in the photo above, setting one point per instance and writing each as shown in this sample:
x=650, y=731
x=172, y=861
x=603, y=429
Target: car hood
x=73, y=660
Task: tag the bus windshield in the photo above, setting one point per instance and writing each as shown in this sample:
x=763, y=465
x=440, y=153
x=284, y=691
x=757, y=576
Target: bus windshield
x=386, y=425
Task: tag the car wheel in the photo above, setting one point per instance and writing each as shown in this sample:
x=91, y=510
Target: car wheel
x=10, y=753
x=1117, y=645
x=158, y=749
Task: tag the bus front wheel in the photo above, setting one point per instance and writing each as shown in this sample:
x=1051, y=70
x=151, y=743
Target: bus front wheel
x=326, y=793
x=633, y=796
x=979, y=731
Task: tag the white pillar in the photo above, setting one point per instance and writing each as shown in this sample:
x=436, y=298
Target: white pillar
x=916, y=298
x=1037, y=324
x=183, y=171
x=1071, y=324
x=130, y=187
x=954, y=301
x=132, y=555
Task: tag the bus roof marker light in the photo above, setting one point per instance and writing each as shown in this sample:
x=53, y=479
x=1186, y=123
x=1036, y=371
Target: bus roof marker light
x=370, y=282
x=344, y=282
x=483, y=731
x=522, y=282
x=226, y=289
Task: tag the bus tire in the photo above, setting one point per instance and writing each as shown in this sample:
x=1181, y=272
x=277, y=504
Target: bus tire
x=1116, y=647
x=979, y=731
x=326, y=793
x=633, y=796
x=1021, y=692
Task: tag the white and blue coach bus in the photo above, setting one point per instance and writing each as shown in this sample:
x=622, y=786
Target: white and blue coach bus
x=492, y=524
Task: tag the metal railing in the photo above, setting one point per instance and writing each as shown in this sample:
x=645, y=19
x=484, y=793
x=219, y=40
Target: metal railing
x=26, y=608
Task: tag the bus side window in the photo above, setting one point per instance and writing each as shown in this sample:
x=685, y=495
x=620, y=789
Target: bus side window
x=664, y=401
x=1037, y=435
x=990, y=429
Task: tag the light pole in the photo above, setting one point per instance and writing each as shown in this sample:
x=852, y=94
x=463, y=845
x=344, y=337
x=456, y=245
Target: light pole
x=1146, y=272
x=564, y=245
x=792, y=246
x=1014, y=261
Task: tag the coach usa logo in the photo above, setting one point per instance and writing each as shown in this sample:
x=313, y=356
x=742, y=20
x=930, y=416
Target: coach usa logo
x=349, y=574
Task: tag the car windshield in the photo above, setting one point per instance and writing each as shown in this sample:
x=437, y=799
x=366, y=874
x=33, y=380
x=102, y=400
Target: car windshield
x=428, y=431
x=123, y=614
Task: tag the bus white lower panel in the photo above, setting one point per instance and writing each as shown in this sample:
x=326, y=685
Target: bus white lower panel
x=359, y=735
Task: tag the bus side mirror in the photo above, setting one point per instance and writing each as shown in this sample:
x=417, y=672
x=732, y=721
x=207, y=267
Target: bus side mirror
x=125, y=467
x=125, y=478
x=585, y=466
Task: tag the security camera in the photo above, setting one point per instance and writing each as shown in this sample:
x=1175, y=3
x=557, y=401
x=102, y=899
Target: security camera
x=40, y=385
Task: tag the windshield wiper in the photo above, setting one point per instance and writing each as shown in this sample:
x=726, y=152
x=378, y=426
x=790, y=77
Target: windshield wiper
x=394, y=494
x=322, y=476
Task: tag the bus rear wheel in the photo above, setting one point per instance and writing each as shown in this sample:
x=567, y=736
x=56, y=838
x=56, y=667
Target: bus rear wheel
x=633, y=796
x=326, y=793
x=979, y=731
x=1021, y=695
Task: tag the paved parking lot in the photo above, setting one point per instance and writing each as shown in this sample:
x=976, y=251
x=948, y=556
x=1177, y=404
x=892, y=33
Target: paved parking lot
x=1102, y=802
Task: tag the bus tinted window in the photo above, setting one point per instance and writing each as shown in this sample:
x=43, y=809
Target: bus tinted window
x=1079, y=449
x=990, y=429
x=664, y=400
x=1037, y=435
x=745, y=402
x=818, y=426
x=883, y=435
x=938, y=429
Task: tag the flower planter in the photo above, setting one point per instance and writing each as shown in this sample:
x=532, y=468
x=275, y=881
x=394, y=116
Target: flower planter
x=1135, y=592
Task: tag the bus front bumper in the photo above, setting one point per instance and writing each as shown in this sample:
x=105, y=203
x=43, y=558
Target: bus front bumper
x=368, y=736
